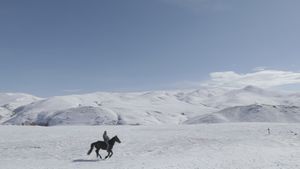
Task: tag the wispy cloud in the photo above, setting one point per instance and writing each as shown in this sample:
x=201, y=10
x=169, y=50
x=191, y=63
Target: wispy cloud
x=185, y=85
x=201, y=5
x=72, y=90
x=260, y=68
x=262, y=78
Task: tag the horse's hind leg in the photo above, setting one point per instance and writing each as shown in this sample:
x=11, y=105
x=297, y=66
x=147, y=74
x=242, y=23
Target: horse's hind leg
x=97, y=152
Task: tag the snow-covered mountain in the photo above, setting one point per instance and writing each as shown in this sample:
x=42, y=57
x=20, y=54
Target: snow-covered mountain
x=157, y=107
x=130, y=108
x=11, y=101
x=5, y=114
x=249, y=95
x=86, y=115
x=251, y=113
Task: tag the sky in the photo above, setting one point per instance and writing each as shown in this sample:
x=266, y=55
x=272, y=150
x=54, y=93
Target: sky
x=61, y=47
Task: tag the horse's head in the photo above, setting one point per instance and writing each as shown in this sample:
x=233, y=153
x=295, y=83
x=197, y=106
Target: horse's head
x=116, y=138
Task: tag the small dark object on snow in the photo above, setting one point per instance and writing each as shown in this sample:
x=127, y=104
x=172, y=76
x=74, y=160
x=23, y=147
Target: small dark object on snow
x=269, y=131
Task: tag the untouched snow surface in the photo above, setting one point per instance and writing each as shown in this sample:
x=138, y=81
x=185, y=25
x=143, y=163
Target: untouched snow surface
x=205, y=146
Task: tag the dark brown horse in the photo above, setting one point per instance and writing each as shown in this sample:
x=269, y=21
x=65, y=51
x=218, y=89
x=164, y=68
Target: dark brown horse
x=102, y=145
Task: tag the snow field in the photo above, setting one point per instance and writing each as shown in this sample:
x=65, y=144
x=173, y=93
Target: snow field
x=209, y=146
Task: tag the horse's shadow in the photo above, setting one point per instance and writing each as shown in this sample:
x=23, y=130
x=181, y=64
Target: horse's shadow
x=84, y=160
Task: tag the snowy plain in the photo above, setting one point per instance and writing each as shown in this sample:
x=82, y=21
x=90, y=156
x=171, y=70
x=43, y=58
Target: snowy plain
x=203, y=146
x=208, y=128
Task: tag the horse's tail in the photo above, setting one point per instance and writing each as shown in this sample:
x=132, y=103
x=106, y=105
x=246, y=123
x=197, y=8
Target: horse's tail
x=91, y=149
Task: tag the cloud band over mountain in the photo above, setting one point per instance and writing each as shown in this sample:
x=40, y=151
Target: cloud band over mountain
x=262, y=78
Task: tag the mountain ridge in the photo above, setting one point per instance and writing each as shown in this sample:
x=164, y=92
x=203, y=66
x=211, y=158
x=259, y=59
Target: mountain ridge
x=149, y=107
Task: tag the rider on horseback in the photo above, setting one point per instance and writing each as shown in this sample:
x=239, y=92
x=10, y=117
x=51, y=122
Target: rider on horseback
x=108, y=146
x=106, y=139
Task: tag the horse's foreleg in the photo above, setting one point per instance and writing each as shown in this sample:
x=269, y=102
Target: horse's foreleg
x=111, y=153
x=108, y=152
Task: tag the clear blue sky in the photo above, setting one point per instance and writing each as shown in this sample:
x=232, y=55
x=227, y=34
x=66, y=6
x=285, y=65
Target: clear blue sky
x=48, y=47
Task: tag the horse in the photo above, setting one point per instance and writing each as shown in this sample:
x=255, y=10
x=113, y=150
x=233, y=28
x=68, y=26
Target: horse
x=102, y=145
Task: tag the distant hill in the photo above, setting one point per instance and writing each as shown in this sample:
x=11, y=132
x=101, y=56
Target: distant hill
x=251, y=113
x=152, y=107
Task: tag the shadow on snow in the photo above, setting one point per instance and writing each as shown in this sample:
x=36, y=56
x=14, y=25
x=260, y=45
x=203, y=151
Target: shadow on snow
x=84, y=160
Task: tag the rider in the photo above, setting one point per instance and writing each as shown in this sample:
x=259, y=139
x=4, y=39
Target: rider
x=106, y=139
